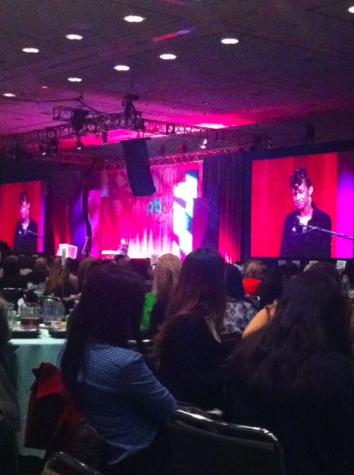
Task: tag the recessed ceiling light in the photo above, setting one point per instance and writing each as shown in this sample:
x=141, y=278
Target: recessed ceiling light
x=121, y=67
x=351, y=9
x=30, y=50
x=168, y=56
x=74, y=79
x=44, y=87
x=229, y=41
x=134, y=19
x=9, y=94
x=73, y=36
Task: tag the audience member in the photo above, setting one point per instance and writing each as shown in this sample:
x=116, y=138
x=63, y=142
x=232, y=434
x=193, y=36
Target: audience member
x=239, y=310
x=166, y=274
x=59, y=282
x=295, y=377
x=271, y=287
x=114, y=388
x=25, y=264
x=252, y=274
x=11, y=275
x=189, y=344
x=9, y=414
x=40, y=271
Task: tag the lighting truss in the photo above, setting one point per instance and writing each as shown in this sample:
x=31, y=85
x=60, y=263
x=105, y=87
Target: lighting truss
x=97, y=122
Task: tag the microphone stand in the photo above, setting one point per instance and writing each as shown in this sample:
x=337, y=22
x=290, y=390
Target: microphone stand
x=28, y=231
x=322, y=230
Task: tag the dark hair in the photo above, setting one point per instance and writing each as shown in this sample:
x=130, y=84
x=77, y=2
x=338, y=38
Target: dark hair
x=300, y=175
x=271, y=287
x=109, y=312
x=11, y=266
x=199, y=293
x=312, y=318
x=234, y=284
x=23, y=197
x=326, y=268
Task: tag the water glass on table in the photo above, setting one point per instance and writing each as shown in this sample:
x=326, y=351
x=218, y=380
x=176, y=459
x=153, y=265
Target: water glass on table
x=53, y=311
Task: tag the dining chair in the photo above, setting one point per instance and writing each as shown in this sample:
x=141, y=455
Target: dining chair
x=202, y=445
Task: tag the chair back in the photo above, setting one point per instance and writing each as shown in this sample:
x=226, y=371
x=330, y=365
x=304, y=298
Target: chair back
x=202, y=445
x=63, y=464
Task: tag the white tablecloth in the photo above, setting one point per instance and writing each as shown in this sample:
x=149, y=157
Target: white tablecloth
x=27, y=355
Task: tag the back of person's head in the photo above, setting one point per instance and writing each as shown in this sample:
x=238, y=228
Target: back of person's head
x=289, y=270
x=254, y=270
x=11, y=266
x=166, y=274
x=83, y=271
x=271, y=287
x=25, y=262
x=200, y=288
x=327, y=269
x=234, y=285
x=311, y=318
x=57, y=276
x=111, y=305
x=109, y=313
x=40, y=264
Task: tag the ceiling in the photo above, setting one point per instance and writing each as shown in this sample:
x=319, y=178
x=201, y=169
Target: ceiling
x=293, y=63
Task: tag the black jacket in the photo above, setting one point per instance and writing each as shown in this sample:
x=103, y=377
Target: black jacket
x=299, y=242
x=25, y=241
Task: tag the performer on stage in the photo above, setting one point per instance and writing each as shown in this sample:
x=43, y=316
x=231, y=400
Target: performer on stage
x=299, y=241
x=26, y=231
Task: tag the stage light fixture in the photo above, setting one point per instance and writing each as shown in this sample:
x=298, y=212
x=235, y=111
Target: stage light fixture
x=170, y=129
x=91, y=126
x=42, y=149
x=9, y=94
x=74, y=79
x=78, y=119
x=79, y=144
x=203, y=144
x=104, y=136
x=52, y=147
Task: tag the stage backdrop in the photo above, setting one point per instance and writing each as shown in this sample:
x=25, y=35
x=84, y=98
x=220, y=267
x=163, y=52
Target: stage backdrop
x=9, y=209
x=333, y=183
x=145, y=223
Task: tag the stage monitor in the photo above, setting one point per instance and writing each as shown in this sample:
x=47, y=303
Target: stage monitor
x=22, y=216
x=296, y=203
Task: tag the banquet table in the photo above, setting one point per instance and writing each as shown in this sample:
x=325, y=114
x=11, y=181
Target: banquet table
x=25, y=355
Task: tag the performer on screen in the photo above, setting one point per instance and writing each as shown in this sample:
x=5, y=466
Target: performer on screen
x=298, y=240
x=26, y=231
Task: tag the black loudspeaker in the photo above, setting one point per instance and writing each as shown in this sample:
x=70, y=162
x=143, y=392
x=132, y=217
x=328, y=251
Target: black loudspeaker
x=138, y=168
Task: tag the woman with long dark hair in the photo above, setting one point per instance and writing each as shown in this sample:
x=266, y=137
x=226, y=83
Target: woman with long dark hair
x=189, y=341
x=295, y=377
x=112, y=385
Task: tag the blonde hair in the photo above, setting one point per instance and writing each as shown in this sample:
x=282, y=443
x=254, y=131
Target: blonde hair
x=166, y=274
x=254, y=270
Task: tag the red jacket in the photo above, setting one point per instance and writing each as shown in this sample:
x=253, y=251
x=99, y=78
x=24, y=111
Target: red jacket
x=55, y=424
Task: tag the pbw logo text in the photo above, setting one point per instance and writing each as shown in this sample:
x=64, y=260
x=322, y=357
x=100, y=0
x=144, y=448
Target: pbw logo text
x=154, y=207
